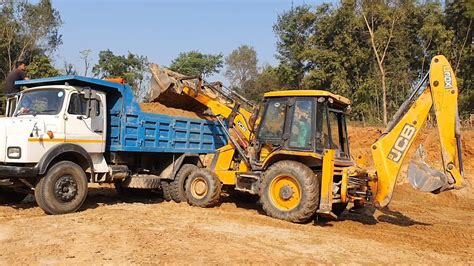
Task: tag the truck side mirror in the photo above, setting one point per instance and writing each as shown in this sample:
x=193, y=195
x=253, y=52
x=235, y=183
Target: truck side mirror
x=91, y=97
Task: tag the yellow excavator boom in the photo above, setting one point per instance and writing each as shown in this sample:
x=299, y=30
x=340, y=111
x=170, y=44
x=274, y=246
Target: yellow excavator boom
x=440, y=94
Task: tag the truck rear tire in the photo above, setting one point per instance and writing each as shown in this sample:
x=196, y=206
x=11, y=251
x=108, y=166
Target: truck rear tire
x=174, y=190
x=9, y=196
x=203, y=188
x=63, y=189
x=290, y=192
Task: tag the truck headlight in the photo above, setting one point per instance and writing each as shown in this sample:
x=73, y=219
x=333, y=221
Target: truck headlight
x=14, y=152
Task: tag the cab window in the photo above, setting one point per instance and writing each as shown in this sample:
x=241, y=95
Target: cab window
x=273, y=121
x=302, y=124
x=339, y=140
x=331, y=130
x=77, y=104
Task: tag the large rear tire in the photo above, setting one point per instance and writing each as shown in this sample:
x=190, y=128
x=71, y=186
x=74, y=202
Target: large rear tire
x=175, y=190
x=290, y=192
x=9, y=196
x=203, y=188
x=63, y=189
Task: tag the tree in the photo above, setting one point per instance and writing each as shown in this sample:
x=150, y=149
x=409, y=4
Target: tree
x=85, y=56
x=380, y=20
x=266, y=80
x=133, y=68
x=194, y=63
x=373, y=52
x=27, y=30
x=41, y=67
x=69, y=69
x=293, y=30
x=459, y=18
x=241, y=66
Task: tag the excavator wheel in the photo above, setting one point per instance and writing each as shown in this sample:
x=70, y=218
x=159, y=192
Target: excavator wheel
x=203, y=188
x=174, y=190
x=290, y=192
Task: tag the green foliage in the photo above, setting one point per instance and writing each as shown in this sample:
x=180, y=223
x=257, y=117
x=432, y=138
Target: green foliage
x=241, y=66
x=133, y=68
x=459, y=18
x=41, y=67
x=330, y=48
x=27, y=30
x=266, y=80
x=293, y=30
x=194, y=63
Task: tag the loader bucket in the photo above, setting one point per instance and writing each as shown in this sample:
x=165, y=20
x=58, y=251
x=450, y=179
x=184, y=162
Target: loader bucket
x=166, y=87
x=162, y=81
x=423, y=177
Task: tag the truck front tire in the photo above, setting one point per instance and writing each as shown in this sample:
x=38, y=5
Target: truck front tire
x=9, y=196
x=63, y=189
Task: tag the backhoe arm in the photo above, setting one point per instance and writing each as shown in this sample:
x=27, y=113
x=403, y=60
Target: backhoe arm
x=390, y=149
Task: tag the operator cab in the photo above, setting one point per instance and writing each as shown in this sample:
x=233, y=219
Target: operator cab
x=306, y=121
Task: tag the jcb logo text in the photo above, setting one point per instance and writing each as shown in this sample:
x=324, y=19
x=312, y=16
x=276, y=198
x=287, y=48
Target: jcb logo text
x=401, y=144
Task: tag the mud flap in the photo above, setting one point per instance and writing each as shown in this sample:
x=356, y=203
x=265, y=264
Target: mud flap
x=424, y=178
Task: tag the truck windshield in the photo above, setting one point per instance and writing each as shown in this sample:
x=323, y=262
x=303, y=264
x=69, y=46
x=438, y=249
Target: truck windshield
x=40, y=102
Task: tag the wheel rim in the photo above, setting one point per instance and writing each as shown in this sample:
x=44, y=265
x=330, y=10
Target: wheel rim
x=285, y=192
x=199, y=187
x=65, y=188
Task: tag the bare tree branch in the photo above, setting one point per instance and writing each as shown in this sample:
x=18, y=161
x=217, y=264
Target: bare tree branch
x=462, y=47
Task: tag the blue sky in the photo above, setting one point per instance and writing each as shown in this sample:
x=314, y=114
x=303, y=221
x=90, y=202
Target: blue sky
x=161, y=30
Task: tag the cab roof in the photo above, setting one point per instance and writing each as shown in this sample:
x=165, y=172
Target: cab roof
x=307, y=93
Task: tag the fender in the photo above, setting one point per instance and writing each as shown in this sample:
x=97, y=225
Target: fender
x=70, y=149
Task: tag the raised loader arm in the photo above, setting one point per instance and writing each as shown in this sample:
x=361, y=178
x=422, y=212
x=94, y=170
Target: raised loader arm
x=390, y=149
x=226, y=104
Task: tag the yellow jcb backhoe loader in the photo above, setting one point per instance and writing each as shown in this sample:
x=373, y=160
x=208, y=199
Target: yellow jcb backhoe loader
x=296, y=157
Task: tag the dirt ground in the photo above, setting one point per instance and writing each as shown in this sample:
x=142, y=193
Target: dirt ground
x=417, y=228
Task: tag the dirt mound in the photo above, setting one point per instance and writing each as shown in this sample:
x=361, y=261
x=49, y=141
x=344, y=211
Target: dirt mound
x=159, y=108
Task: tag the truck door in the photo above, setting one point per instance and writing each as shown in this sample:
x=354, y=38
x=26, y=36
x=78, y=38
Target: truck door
x=83, y=127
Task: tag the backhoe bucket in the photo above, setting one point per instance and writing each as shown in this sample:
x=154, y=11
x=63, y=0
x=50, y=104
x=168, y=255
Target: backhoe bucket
x=424, y=178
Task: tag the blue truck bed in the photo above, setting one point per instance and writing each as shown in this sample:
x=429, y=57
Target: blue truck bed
x=131, y=130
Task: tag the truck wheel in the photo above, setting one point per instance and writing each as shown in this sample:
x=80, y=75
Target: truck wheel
x=174, y=190
x=63, y=189
x=9, y=196
x=290, y=192
x=203, y=188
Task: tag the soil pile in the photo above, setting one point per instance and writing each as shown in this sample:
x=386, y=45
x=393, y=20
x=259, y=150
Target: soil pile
x=159, y=108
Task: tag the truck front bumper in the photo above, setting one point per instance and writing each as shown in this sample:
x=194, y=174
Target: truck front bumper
x=10, y=171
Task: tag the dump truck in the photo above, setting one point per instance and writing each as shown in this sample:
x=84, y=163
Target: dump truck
x=64, y=132
x=295, y=157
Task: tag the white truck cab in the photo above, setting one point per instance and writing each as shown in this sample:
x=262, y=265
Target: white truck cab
x=46, y=121
x=48, y=115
